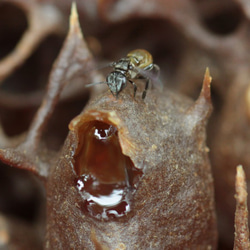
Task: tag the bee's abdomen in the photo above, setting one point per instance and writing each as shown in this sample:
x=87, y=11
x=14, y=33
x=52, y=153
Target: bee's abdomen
x=140, y=58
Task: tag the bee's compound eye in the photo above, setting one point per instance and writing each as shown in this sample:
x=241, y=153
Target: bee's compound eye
x=121, y=79
x=111, y=78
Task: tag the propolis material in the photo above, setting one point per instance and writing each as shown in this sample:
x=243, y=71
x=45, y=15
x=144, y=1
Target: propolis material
x=241, y=235
x=173, y=205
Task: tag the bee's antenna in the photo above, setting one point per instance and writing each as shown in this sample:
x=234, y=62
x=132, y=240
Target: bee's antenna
x=94, y=83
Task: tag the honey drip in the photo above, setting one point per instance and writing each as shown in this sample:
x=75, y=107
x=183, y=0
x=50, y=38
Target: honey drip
x=106, y=178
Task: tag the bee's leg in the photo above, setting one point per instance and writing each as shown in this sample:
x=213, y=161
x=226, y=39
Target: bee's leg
x=135, y=87
x=146, y=88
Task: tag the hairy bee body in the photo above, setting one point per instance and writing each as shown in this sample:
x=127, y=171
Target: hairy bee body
x=136, y=65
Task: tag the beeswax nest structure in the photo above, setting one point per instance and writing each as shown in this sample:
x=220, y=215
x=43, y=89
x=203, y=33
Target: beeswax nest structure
x=124, y=173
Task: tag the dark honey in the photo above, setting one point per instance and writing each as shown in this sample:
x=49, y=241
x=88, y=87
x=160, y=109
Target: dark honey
x=106, y=177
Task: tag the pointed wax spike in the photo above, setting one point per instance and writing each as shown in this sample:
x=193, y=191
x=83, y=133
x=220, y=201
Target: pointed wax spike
x=73, y=14
x=206, y=92
x=74, y=20
x=241, y=239
x=241, y=192
x=73, y=57
x=199, y=112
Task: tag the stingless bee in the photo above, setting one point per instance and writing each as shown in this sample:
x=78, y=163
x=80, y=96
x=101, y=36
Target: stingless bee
x=138, y=64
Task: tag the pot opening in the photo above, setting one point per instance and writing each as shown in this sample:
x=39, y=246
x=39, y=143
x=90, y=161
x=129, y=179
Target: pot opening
x=106, y=177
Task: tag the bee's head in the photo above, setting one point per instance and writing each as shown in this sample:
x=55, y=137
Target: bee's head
x=116, y=82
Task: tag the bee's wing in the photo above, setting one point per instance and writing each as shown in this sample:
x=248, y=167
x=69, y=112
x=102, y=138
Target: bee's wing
x=97, y=66
x=94, y=83
x=153, y=74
